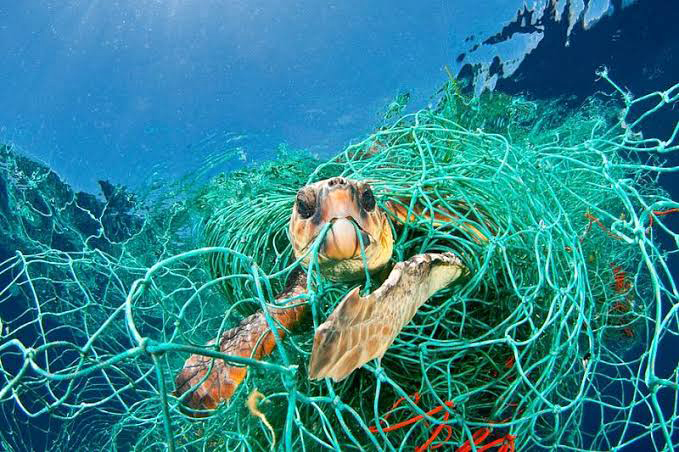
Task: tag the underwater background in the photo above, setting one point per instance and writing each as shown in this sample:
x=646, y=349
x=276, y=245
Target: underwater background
x=144, y=108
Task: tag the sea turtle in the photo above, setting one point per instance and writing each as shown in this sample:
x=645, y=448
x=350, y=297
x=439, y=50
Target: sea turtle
x=360, y=328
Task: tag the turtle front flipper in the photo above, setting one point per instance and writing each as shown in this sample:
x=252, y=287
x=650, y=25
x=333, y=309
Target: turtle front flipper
x=252, y=338
x=363, y=328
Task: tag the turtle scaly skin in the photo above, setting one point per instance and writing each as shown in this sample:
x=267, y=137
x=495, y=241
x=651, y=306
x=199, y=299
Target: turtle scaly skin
x=251, y=338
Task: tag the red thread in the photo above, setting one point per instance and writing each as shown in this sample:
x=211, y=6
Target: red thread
x=497, y=442
x=478, y=438
x=594, y=220
x=659, y=213
x=442, y=443
x=415, y=396
x=509, y=446
x=506, y=442
x=412, y=420
x=433, y=436
x=620, y=307
x=621, y=284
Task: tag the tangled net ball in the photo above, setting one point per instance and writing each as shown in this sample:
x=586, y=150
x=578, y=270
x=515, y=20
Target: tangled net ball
x=561, y=325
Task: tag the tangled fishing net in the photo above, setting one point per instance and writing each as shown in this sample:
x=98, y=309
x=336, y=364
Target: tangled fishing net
x=561, y=325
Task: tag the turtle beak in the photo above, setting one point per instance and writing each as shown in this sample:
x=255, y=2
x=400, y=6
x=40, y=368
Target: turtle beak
x=342, y=242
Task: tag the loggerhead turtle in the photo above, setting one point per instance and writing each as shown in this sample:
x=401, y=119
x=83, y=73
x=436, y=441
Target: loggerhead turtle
x=360, y=328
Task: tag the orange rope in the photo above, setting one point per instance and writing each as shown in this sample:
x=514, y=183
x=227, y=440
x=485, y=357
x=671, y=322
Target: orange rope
x=659, y=213
x=620, y=307
x=442, y=443
x=510, y=362
x=509, y=446
x=621, y=284
x=497, y=442
x=592, y=219
x=478, y=438
x=412, y=420
x=415, y=396
x=436, y=432
x=506, y=442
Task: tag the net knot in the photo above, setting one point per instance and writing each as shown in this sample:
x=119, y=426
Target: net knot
x=664, y=95
x=639, y=232
x=379, y=374
x=143, y=344
x=337, y=402
x=290, y=378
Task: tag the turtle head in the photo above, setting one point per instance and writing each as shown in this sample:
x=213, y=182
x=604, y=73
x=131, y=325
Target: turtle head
x=349, y=208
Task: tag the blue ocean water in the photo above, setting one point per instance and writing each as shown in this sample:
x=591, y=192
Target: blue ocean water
x=111, y=89
x=128, y=91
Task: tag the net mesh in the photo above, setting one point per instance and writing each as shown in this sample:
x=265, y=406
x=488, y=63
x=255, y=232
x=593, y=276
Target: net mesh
x=562, y=324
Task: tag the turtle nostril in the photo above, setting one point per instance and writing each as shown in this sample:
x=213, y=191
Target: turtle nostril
x=365, y=238
x=337, y=181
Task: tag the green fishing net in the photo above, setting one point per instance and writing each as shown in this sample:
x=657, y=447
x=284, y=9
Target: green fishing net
x=561, y=325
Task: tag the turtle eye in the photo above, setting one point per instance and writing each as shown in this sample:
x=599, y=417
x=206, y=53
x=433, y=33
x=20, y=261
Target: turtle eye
x=305, y=206
x=368, y=199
